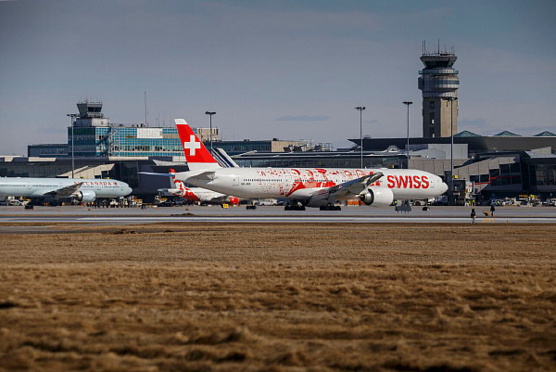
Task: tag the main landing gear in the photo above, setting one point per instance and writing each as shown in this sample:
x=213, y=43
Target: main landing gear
x=330, y=207
x=294, y=207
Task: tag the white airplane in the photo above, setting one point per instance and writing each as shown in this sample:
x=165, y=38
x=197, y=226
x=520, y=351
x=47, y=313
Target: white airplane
x=56, y=189
x=195, y=194
x=312, y=187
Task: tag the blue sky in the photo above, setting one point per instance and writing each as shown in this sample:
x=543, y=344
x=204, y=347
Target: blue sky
x=286, y=69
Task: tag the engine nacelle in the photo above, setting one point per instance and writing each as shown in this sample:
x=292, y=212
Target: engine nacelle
x=377, y=197
x=233, y=200
x=85, y=196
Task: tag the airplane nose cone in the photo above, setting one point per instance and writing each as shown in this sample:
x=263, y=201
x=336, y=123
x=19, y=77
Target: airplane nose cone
x=128, y=190
x=444, y=187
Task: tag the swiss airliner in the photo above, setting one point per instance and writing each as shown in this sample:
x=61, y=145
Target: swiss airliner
x=56, y=189
x=311, y=187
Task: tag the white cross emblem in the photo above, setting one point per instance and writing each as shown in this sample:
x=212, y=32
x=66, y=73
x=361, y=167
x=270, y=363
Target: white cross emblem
x=192, y=145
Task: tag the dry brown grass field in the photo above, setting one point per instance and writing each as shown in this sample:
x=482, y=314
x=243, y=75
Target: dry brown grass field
x=279, y=297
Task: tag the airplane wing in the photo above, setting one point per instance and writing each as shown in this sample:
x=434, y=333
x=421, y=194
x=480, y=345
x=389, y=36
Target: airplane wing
x=353, y=187
x=65, y=192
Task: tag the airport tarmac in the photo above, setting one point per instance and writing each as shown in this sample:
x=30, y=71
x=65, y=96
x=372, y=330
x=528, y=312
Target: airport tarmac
x=270, y=214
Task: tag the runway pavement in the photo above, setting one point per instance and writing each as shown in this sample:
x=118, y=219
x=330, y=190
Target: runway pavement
x=123, y=216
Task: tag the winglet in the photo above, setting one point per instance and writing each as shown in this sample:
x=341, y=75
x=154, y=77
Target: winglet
x=196, y=154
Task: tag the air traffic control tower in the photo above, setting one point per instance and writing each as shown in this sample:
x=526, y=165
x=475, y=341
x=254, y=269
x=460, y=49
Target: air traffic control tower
x=90, y=115
x=439, y=82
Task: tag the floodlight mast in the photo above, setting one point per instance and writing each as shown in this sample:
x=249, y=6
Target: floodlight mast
x=210, y=113
x=360, y=109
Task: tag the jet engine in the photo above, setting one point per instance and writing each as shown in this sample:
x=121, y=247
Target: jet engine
x=233, y=200
x=377, y=196
x=85, y=196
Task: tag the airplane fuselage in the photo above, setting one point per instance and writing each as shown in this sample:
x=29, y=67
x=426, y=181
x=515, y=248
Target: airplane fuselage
x=194, y=194
x=300, y=183
x=41, y=187
x=203, y=195
x=312, y=187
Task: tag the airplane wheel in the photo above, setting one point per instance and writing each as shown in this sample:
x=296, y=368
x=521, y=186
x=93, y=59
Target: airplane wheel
x=293, y=207
x=330, y=207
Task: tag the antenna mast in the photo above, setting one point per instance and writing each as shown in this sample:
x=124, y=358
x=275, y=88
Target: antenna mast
x=145, y=96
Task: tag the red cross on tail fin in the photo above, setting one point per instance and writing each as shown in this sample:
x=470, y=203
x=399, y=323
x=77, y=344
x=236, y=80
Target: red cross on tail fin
x=196, y=154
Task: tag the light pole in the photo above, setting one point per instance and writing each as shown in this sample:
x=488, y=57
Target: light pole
x=407, y=103
x=210, y=113
x=72, y=118
x=451, y=184
x=360, y=109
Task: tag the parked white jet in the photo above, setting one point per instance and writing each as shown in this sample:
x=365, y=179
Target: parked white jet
x=312, y=187
x=82, y=190
x=195, y=194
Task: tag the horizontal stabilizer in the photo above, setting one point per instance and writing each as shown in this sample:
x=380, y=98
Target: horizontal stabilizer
x=202, y=175
x=158, y=174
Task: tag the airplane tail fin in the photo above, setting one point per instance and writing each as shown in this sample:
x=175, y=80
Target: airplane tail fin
x=177, y=183
x=177, y=187
x=196, y=154
x=223, y=158
x=172, y=174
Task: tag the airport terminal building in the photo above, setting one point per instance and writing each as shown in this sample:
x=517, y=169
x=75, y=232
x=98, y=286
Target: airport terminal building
x=497, y=166
x=505, y=164
x=502, y=165
x=96, y=148
x=91, y=135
